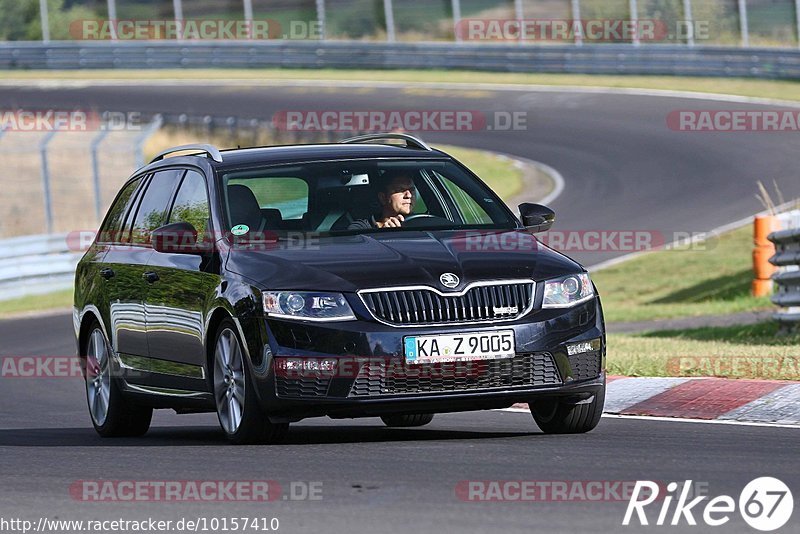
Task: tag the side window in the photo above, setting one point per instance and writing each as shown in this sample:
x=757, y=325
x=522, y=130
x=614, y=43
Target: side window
x=110, y=231
x=152, y=211
x=288, y=195
x=471, y=211
x=191, y=203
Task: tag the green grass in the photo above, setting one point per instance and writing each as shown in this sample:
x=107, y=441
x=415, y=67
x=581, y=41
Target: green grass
x=36, y=303
x=784, y=90
x=711, y=278
x=751, y=351
x=498, y=172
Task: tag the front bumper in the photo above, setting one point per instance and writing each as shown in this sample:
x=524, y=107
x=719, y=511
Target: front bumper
x=371, y=377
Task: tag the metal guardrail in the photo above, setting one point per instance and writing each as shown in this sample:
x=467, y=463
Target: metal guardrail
x=777, y=63
x=37, y=264
x=787, y=255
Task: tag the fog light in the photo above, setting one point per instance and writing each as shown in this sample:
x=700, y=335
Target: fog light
x=583, y=346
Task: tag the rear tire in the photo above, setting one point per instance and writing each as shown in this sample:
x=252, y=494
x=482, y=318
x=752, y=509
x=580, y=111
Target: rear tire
x=407, y=420
x=555, y=417
x=112, y=414
x=237, y=408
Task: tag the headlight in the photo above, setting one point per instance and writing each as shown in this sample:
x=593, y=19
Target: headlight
x=567, y=291
x=307, y=306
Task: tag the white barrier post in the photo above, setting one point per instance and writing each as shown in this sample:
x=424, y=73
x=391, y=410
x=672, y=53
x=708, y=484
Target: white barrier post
x=321, y=18
x=98, y=201
x=388, y=13
x=177, y=7
x=44, y=16
x=797, y=14
x=112, y=18
x=743, y=23
x=577, y=24
x=248, y=16
x=456, y=4
x=688, y=20
x=519, y=12
x=633, y=7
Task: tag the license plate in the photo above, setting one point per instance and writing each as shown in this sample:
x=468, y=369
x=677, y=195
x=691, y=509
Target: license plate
x=460, y=347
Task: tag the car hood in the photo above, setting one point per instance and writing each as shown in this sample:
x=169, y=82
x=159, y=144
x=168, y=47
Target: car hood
x=350, y=263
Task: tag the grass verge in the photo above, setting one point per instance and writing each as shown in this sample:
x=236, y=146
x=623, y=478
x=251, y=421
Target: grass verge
x=776, y=89
x=709, y=278
x=751, y=351
x=36, y=303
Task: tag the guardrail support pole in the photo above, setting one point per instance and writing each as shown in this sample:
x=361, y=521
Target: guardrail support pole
x=577, y=23
x=743, y=23
x=321, y=18
x=456, y=5
x=48, y=203
x=144, y=136
x=96, y=173
x=797, y=15
x=248, y=13
x=388, y=14
x=177, y=7
x=44, y=16
x=519, y=13
x=112, y=18
x=633, y=7
x=688, y=20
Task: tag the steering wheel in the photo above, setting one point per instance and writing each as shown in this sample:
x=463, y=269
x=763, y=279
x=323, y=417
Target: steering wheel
x=417, y=216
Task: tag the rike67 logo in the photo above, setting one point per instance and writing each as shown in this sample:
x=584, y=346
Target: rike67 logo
x=765, y=504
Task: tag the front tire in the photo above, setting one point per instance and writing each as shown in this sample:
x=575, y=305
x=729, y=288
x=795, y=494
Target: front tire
x=112, y=414
x=407, y=420
x=237, y=408
x=554, y=417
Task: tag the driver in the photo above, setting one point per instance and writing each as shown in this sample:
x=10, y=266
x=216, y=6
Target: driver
x=396, y=197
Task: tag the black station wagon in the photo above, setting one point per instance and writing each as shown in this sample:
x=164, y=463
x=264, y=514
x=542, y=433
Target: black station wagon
x=376, y=277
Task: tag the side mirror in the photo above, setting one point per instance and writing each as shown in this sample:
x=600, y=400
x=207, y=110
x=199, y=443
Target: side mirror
x=176, y=238
x=536, y=218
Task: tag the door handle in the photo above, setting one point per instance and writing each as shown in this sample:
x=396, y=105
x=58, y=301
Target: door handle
x=107, y=273
x=150, y=276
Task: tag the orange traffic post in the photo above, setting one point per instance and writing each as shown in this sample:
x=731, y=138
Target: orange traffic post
x=763, y=250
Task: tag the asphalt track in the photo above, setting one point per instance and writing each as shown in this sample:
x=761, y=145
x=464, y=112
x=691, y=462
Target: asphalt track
x=624, y=169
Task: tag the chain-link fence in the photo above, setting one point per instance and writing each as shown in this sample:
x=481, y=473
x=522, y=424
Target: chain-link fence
x=708, y=22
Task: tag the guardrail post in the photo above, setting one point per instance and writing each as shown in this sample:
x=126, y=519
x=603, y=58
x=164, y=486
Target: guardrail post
x=45, y=18
x=388, y=14
x=688, y=20
x=158, y=120
x=577, y=23
x=743, y=23
x=248, y=16
x=456, y=5
x=633, y=7
x=177, y=7
x=797, y=16
x=321, y=18
x=112, y=18
x=96, y=173
x=520, y=14
x=48, y=203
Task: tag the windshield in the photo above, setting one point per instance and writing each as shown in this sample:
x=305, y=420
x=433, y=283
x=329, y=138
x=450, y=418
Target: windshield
x=359, y=196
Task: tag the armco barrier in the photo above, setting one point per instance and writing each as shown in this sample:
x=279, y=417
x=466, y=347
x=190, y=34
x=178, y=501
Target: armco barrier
x=787, y=255
x=779, y=63
x=37, y=264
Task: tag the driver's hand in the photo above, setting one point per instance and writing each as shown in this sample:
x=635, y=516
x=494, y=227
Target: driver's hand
x=393, y=222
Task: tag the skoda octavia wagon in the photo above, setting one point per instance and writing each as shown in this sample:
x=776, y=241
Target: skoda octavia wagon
x=376, y=277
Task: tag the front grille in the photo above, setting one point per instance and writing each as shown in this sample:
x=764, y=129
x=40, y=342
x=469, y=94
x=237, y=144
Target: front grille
x=584, y=366
x=426, y=306
x=299, y=387
x=381, y=378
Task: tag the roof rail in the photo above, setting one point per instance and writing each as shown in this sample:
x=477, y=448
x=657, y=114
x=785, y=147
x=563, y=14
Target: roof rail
x=410, y=140
x=211, y=150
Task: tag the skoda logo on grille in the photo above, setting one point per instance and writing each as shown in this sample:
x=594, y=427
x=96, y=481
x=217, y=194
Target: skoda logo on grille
x=449, y=280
